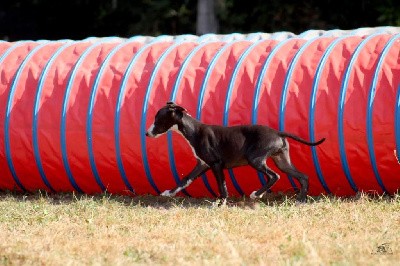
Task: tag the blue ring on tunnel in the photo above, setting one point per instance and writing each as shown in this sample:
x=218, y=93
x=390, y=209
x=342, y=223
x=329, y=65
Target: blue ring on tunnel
x=144, y=115
x=228, y=100
x=89, y=120
x=200, y=103
x=169, y=134
x=39, y=90
x=8, y=110
x=6, y=53
x=371, y=96
x=121, y=93
x=343, y=90
x=8, y=107
x=64, y=113
x=282, y=107
x=256, y=100
x=317, y=77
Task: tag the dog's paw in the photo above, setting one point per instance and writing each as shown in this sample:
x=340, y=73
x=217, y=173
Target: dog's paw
x=167, y=193
x=300, y=203
x=222, y=202
x=301, y=200
x=254, y=196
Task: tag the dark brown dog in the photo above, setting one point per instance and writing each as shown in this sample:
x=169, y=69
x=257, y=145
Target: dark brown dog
x=218, y=148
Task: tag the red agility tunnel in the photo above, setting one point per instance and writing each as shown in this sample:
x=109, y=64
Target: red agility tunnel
x=74, y=113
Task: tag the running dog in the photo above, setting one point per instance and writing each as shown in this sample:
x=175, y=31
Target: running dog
x=218, y=148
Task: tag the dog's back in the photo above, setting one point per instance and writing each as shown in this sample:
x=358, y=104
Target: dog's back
x=231, y=145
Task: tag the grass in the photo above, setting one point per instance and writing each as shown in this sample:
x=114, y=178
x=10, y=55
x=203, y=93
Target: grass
x=71, y=229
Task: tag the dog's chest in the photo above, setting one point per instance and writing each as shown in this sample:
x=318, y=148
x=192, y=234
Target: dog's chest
x=190, y=145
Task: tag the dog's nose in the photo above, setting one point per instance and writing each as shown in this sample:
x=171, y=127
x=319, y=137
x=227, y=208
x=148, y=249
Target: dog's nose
x=147, y=134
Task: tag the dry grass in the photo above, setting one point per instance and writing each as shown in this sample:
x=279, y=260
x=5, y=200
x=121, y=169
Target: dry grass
x=69, y=229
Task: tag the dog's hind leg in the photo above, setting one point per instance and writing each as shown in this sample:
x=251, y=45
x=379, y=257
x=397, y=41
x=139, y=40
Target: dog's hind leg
x=199, y=169
x=282, y=161
x=260, y=165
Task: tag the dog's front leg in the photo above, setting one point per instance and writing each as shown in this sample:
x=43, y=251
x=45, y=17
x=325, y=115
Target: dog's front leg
x=198, y=170
x=218, y=172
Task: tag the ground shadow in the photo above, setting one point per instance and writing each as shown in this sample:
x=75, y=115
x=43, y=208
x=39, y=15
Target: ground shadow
x=269, y=199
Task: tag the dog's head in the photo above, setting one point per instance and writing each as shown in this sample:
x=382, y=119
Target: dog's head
x=166, y=118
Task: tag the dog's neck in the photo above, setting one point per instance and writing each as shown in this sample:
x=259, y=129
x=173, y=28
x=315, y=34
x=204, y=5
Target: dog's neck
x=188, y=127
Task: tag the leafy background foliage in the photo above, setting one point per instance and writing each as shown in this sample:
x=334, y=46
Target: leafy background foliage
x=77, y=19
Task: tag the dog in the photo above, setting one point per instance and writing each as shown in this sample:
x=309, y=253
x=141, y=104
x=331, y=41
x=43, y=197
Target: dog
x=218, y=148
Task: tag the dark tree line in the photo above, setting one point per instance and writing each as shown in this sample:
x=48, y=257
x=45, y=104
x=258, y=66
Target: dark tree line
x=77, y=19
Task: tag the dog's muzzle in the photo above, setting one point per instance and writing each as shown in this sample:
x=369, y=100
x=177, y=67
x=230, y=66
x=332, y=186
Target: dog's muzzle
x=149, y=132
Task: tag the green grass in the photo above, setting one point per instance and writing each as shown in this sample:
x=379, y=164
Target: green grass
x=71, y=229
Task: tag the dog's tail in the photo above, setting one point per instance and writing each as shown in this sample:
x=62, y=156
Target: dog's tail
x=288, y=135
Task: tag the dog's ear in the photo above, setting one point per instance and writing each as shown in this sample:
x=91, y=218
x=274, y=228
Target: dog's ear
x=174, y=107
x=171, y=106
x=180, y=108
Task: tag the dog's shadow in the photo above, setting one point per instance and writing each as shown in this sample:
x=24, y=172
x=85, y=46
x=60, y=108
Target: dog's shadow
x=67, y=198
x=159, y=202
